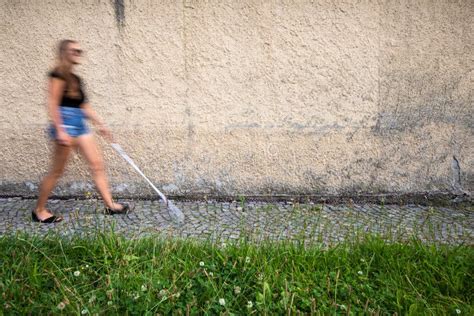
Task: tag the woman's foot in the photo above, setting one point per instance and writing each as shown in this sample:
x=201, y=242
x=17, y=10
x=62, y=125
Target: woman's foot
x=45, y=216
x=117, y=208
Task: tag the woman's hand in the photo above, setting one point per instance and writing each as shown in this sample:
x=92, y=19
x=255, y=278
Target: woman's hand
x=90, y=114
x=63, y=138
x=105, y=132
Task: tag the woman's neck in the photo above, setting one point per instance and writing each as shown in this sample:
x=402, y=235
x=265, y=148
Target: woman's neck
x=66, y=66
x=69, y=66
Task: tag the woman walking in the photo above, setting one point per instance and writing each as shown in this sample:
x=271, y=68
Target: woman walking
x=68, y=107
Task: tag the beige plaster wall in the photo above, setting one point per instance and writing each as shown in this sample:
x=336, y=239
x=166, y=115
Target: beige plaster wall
x=250, y=97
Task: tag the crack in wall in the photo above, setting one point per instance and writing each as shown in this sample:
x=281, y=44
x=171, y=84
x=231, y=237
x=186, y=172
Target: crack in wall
x=456, y=168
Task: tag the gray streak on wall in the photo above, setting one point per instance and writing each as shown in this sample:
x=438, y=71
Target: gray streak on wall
x=119, y=8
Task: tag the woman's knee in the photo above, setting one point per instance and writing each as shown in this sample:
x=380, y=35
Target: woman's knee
x=96, y=166
x=56, y=172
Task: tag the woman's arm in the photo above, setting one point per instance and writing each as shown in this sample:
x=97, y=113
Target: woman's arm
x=96, y=120
x=56, y=88
x=91, y=115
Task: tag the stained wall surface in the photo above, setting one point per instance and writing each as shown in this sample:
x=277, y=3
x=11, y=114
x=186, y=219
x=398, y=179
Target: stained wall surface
x=249, y=97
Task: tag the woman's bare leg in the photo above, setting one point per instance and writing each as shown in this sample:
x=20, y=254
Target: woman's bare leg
x=91, y=153
x=60, y=158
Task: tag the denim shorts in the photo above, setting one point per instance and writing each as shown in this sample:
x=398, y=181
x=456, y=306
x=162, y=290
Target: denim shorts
x=73, y=122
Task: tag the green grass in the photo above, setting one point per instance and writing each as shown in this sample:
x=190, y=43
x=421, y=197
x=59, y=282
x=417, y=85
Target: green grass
x=108, y=274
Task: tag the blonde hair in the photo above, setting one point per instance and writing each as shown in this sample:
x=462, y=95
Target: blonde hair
x=63, y=67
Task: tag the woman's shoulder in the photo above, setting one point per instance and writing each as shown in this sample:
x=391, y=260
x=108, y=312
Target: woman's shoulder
x=76, y=76
x=55, y=73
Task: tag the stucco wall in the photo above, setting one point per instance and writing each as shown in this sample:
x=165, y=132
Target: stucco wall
x=250, y=97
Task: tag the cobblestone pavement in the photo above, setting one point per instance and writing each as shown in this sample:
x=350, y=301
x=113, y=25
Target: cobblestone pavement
x=220, y=221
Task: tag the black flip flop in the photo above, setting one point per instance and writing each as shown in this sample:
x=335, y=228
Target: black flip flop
x=49, y=220
x=111, y=211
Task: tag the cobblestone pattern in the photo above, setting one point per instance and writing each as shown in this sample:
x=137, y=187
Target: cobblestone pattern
x=219, y=221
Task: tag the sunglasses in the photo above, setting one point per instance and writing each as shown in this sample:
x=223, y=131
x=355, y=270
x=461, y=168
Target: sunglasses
x=77, y=52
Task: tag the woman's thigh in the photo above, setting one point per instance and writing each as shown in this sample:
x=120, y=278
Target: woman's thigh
x=89, y=149
x=60, y=157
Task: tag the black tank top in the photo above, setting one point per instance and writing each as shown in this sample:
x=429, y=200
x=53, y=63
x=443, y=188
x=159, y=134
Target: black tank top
x=67, y=99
